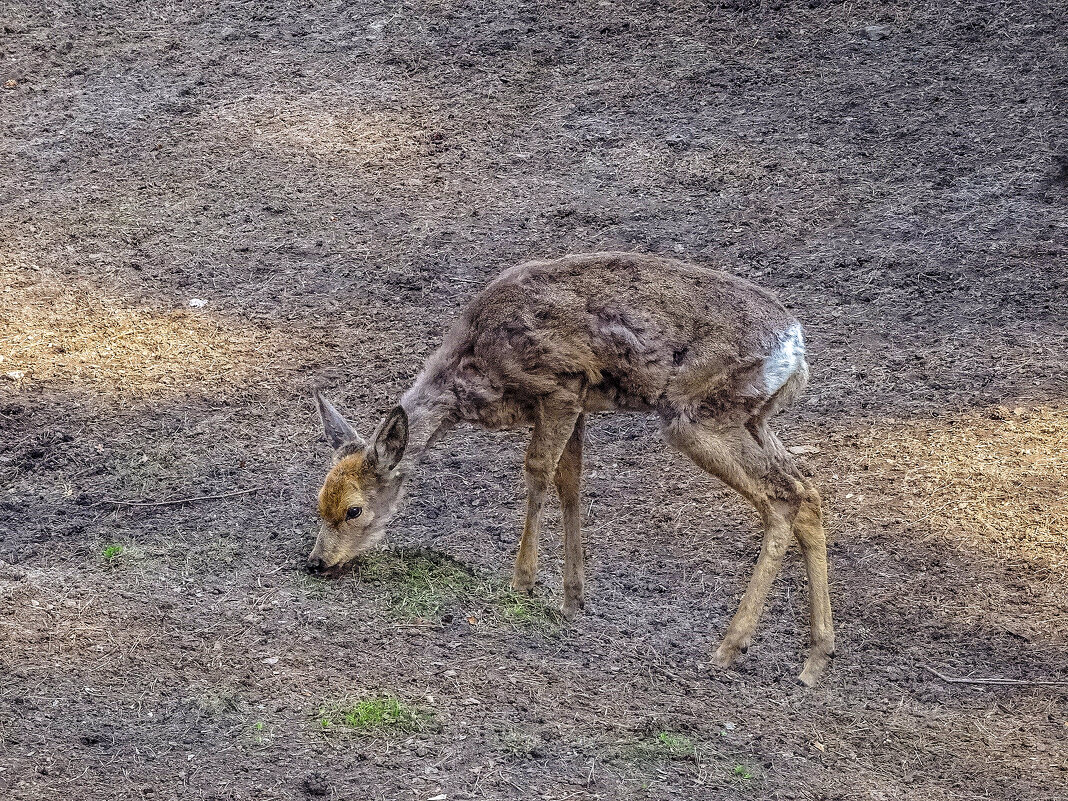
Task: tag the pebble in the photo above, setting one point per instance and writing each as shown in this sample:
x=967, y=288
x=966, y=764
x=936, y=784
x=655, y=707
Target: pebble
x=877, y=32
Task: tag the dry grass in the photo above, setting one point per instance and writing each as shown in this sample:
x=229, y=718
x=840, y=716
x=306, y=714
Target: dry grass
x=53, y=624
x=55, y=332
x=997, y=486
x=984, y=488
x=354, y=136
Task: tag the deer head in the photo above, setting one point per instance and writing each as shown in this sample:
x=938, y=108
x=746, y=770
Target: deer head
x=362, y=490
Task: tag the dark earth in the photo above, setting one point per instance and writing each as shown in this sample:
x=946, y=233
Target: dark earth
x=208, y=209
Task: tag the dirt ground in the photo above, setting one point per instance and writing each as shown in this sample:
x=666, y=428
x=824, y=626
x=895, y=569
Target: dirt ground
x=333, y=179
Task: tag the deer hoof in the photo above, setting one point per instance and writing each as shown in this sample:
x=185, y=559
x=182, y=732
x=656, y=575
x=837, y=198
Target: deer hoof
x=523, y=579
x=524, y=586
x=572, y=609
x=728, y=652
x=724, y=656
x=815, y=666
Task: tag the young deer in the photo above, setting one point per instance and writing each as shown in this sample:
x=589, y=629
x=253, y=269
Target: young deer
x=548, y=342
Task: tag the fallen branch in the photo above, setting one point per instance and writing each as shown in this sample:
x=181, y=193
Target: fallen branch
x=1021, y=682
x=179, y=500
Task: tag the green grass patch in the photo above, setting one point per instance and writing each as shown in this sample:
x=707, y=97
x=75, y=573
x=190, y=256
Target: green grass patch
x=657, y=747
x=676, y=746
x=260, y=734
x=524, y=611
x=742, y=772
x=111, y=552
x=380, y=715
x=666, y=745
x=421, y=584
x=650, y=751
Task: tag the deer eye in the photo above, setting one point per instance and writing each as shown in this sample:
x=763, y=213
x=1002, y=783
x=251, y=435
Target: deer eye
x=353, y=512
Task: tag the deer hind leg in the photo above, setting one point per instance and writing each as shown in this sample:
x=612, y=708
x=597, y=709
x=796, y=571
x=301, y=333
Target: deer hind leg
x=753, y=470
x=551, y=433
x=568, y=478
x=808, y=528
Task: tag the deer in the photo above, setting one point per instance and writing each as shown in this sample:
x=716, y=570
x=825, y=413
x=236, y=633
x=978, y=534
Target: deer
x=546, y=344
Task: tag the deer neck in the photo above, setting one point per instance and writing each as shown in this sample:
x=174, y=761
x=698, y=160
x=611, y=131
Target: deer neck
x=430, y=411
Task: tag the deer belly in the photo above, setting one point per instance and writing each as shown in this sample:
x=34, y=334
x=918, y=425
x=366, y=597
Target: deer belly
x=611, y=396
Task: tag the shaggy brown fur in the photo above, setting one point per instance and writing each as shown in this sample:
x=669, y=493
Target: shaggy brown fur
x=544, y=344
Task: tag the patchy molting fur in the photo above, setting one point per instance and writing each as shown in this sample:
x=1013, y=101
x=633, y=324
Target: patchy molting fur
x=711, y=354
x=611, y=331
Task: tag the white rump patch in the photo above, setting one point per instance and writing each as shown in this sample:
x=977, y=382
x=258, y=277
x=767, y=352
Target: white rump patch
x=785, y=360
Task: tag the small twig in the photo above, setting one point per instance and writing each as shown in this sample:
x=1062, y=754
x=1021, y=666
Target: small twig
x=179, y=500
x=1025, y=682
x=415, y=626
x=516, y=786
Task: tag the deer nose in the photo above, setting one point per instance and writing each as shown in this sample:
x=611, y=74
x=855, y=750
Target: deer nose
x=315, y=564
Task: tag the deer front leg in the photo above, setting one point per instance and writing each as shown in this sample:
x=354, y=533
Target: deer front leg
x=526, y=561
x=551, y=433
x=568, y=479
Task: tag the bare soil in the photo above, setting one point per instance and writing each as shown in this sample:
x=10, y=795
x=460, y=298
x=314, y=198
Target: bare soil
x=333, y=179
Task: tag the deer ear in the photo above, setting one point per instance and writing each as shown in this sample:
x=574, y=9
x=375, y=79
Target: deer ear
x=391, y=439
x=338, y=431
